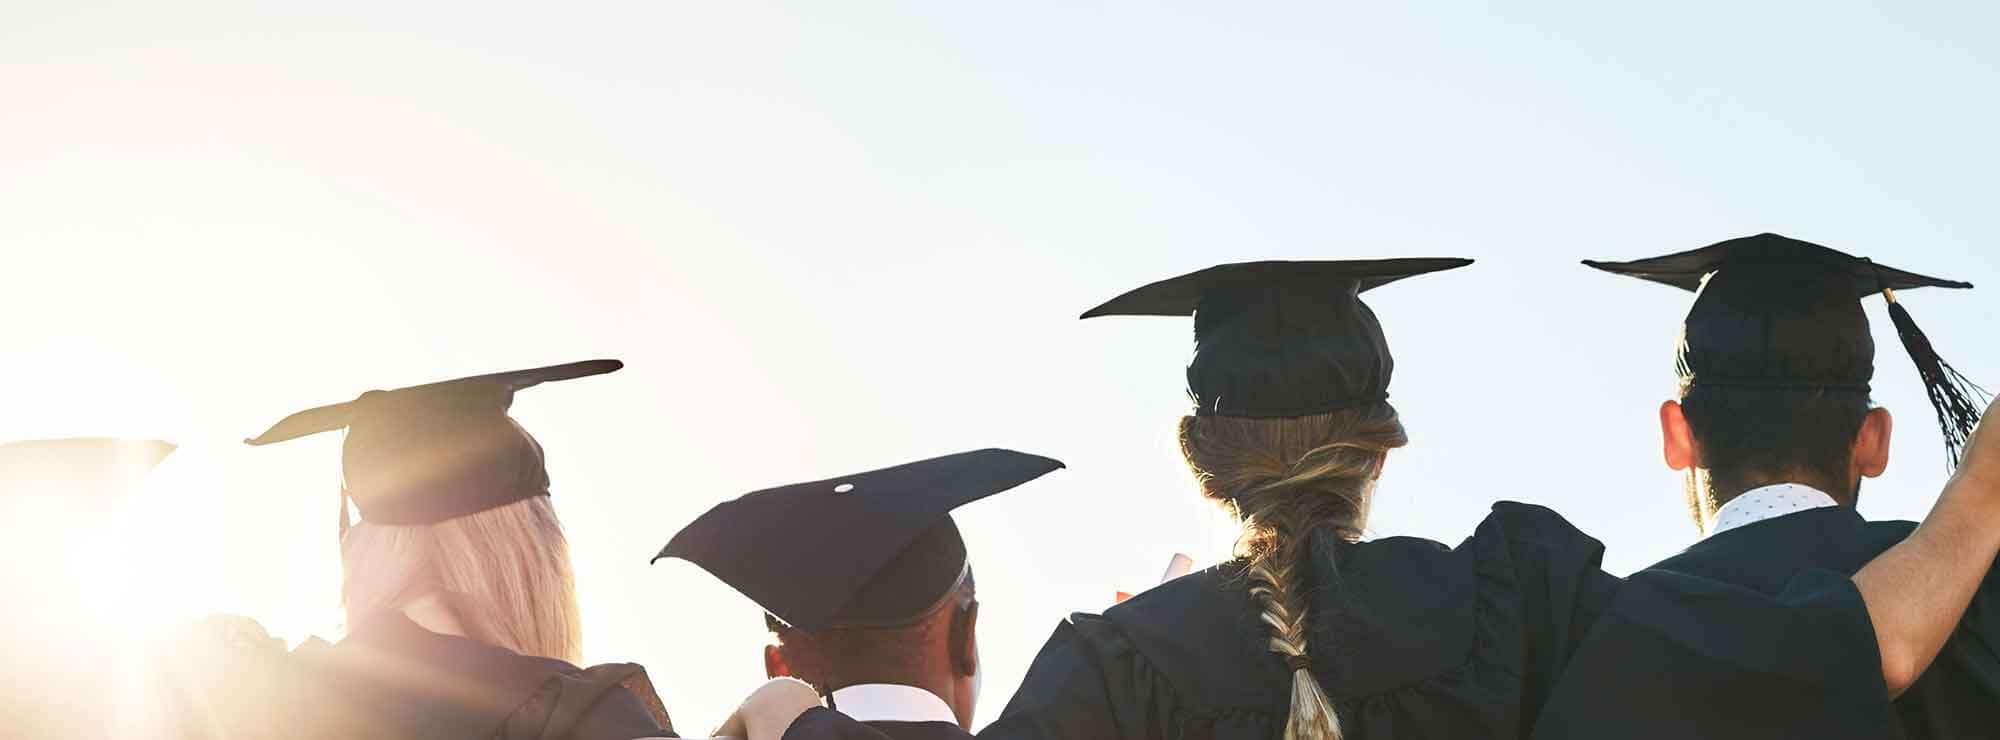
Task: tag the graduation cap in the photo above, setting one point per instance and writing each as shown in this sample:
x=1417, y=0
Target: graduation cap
x=874, y=549
x=428, y=453
x=1776, y=312
x=1280, y=339
x=96, y=468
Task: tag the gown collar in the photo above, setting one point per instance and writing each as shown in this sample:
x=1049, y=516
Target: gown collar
x=888, y=702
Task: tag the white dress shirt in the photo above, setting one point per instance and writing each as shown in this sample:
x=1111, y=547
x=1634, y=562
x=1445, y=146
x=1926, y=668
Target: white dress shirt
x=888, y=702
x=1769, y=502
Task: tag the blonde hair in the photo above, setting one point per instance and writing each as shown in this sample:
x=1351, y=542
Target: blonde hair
x=504, y=572
x=1283, y=479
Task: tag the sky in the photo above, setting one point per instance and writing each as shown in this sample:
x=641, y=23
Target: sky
x=832, y=237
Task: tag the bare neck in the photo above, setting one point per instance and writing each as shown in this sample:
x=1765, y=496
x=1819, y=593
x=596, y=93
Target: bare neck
x=430, y=611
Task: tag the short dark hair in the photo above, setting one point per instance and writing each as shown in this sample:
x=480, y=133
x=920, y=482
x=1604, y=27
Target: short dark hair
x=1756, y=436
x=876, y=651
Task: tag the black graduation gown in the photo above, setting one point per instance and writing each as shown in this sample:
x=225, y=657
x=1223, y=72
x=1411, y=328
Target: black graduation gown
x=1959, y=696
x=1411, y=639
x=820, y=722
x=393, y=679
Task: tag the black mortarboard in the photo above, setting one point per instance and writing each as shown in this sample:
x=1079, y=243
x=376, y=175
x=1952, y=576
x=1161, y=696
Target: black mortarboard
x=870, y=549
x=428, y=453
x=1775, y=312
x=1280, y=339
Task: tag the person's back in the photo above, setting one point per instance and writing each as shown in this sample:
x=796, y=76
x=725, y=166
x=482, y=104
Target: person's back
x=1407, y=637
x=1958, y=696
x=869, y=596
x=393, y=679
x=1773, y=432
x=913, y=681
x=1313, y=633
x=457, y=587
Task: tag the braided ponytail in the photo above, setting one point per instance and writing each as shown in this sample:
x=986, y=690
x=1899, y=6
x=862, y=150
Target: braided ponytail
x=1284, y=479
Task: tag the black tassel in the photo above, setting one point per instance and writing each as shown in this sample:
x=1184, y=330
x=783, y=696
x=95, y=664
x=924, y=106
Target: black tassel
x=1959, y=401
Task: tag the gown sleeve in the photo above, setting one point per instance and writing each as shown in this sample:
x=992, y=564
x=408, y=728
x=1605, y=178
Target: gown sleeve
x=1959, y=696
x=1534, y=559
x=1088, y=681
x=1678, y=656
x=1068, y=693
x=820, y=723
x=597, y=703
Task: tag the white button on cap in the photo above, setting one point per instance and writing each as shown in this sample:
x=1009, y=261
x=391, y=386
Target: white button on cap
x=843, y=488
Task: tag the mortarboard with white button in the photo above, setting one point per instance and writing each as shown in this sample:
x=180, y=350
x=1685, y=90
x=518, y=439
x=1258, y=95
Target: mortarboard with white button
x=874, y=549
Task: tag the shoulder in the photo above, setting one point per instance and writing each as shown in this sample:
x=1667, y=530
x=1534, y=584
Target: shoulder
x=1196, y=636
x=602, y=702
x=1532, y=523
x=1181, y=617
x=227, y=673
x=1524, y=543
x=919, y=730
x=491, y=685
x=1893, y=530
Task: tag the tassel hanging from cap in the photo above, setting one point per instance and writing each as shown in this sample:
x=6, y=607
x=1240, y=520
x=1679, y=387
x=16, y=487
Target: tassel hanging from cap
x=1957, y=399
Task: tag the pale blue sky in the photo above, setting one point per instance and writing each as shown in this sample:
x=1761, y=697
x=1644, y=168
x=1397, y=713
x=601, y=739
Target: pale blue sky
x=828, y=237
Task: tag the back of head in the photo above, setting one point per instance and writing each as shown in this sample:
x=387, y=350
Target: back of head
x=912, y=624
x=1774, y=364
x=1752, y=437
x=906, y=653
x=1284, y=478
x=505, y=573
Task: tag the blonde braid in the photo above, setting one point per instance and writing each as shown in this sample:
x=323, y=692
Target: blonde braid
x=1285, y=478
x=1312, y=715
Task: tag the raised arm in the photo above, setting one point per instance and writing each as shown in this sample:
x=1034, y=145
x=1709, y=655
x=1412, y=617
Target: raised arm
x=1917, y=590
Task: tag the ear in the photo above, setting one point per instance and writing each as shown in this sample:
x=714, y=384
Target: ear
x=774, y=662
x=965, y=640
x=1871, y=443
x=1677, y=438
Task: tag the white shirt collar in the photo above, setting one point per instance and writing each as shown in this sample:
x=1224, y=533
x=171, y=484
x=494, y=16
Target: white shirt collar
x=888, y=702
x=1768, y=502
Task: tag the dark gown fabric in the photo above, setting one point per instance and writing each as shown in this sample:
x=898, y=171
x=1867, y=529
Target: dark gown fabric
x=1410, y=639
x=393, y=679
x=826, y=723
x=1957, y=697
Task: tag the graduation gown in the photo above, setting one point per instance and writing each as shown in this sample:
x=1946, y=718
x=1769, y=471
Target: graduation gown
x=821, y=723
x=393, y=679
x=1410, y=638
x=897, y=715
x=1958, y=696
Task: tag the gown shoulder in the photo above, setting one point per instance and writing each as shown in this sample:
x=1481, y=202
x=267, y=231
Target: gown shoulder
x=1409, y=637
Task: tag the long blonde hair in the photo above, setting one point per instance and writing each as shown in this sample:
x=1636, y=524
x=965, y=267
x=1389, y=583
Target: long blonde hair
x=1282, y=479
x=505, y=573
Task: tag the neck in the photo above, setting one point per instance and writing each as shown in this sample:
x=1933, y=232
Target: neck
x=939, y=686
x=430, y=611
x=1712, y=496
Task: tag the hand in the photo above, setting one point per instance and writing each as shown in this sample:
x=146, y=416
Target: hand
x=217, y=634
x=770, y=710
